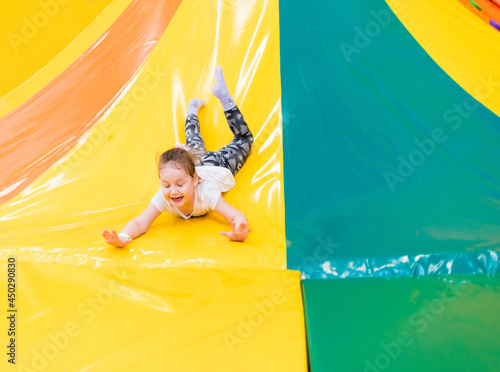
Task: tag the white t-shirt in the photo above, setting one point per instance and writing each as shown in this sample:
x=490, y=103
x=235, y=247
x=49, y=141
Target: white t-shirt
x=213, y=182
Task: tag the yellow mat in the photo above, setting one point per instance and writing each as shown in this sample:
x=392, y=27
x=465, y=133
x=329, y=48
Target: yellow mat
x=73, y=318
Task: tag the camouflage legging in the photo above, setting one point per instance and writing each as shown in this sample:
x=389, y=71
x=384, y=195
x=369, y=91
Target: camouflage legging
x=231, y=156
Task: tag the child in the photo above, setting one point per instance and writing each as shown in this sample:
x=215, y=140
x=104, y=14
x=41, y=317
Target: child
x=189, y=190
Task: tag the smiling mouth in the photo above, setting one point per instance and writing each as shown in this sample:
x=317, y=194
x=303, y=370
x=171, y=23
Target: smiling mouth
x=176, y=199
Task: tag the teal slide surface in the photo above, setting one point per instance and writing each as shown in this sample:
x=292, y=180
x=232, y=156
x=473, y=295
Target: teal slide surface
x=390, y=167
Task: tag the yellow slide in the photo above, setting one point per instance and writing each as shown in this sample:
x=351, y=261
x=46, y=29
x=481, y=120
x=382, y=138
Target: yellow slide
x=36, y=31
x=78, y=155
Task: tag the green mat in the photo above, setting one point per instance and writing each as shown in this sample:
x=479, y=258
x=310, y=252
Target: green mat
x=431, y=324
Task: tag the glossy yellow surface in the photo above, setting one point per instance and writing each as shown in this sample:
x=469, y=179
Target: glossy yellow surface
x=463, y=45
x=74, y=318
x=181, y=297
x=111, y=175
x=35, y=31
x=32, y=138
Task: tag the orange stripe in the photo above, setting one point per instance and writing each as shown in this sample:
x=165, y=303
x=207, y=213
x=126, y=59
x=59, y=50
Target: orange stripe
x=491, y=10
x=474, y=10
x=39, y=132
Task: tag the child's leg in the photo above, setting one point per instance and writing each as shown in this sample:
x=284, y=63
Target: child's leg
x=233, y=155
x=192, y=128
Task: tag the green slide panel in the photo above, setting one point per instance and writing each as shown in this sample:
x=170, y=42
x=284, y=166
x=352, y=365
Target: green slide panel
x=429, y=323
x=390, y=167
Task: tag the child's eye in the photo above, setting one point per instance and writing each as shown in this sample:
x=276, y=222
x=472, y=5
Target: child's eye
x=167, y=186
x=180, y=185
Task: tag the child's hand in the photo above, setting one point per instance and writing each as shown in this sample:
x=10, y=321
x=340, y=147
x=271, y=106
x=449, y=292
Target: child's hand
x=114, y=239
x=237, y=234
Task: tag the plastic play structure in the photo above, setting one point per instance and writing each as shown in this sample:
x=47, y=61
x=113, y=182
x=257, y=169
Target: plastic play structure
x=372, y=189
x=487, y=10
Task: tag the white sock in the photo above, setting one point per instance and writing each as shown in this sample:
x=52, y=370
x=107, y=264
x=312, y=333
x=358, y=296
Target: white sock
x=220, y=90
x=194, y=106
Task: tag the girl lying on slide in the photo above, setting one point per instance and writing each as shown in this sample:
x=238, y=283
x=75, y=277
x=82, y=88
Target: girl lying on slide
x=190, y=190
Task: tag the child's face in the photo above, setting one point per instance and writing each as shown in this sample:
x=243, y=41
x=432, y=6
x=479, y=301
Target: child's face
x=177, y=186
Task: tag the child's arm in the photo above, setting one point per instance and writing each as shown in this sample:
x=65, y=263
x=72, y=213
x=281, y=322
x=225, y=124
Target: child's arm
x=133, y=228
x=239, y=224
